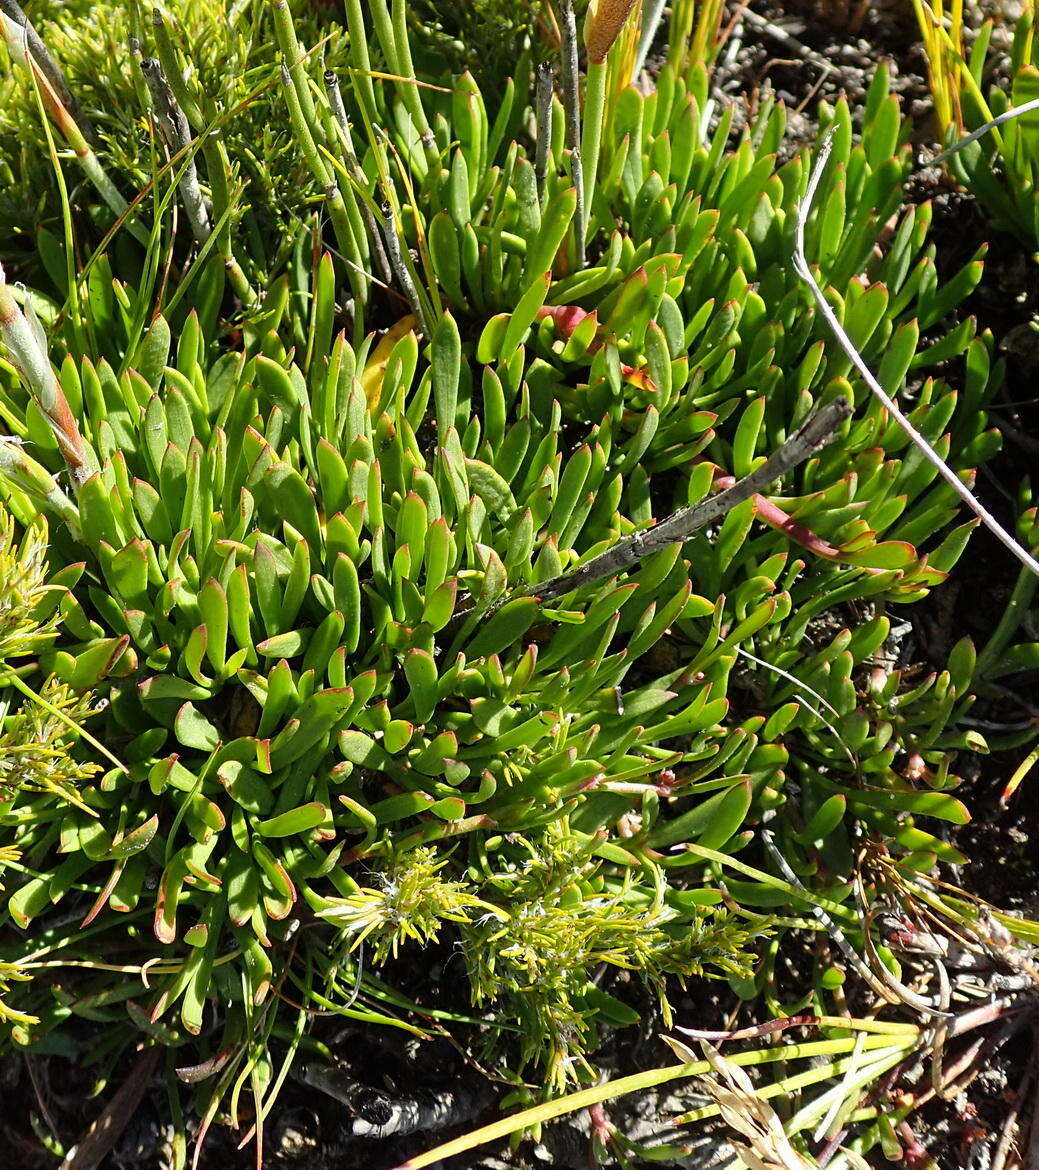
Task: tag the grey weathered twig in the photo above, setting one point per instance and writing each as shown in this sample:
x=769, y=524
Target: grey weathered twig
x=543, y=105
x=816, y=432
x=377, y=1114
x=845, y=342
x=571, y=76
x=1010, y=1129
x=175, y=132
x=335, y=99
x=1032, y=1153
x=680, y=525
x=106, y=1130
x=572, y=110
x=48, y=66
x=217, y=164
x=400, y=267
x=577, y=178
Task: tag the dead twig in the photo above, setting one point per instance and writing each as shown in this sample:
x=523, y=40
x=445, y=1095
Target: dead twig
x=543, y=105
x=395, y=255
x=572, y=109
x=114, y=1118
x=335, y=99
x=1031, y=1158
x=974, y=135
x=815, y=433
x=680, y=525
x=1011, y=1131
x=754, y=1031
x=41, y=1096
x=175, y=133
x=886, y=986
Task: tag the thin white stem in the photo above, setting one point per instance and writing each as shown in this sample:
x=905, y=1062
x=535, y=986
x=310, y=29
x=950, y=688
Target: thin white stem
x=918, y=440
x=894, y=991
x=974, y=135
x=803, y=686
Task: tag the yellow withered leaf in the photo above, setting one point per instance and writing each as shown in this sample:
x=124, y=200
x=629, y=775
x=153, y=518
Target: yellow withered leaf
x=375, y=368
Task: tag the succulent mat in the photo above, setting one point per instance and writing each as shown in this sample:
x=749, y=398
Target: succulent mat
x=320, y=374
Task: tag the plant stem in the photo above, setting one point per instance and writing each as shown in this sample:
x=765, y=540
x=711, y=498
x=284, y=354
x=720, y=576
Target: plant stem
x=337, y=211
x=74, y=136
x=680, y=525
x=923, y=446
x=577, y=174
x=572, y=110
x=409, y=90
x=218, y=166
x=894, y=992
x=55, y=712
x=392, y=34
x=1014, y=613
x=285, y=33
x=403, y=272
x=175, y=132
x=991, y=124
x=816, y=432
x=610, y=1090
x=37, y=482
x=335, y=99
x=49, y=67
x=362, y=81
x=545, y=76
x=27, y=348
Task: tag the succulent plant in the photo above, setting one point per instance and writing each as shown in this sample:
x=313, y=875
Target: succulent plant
x=986, y=105
x=989, y=149
x=270, y=603
x=298, y=550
